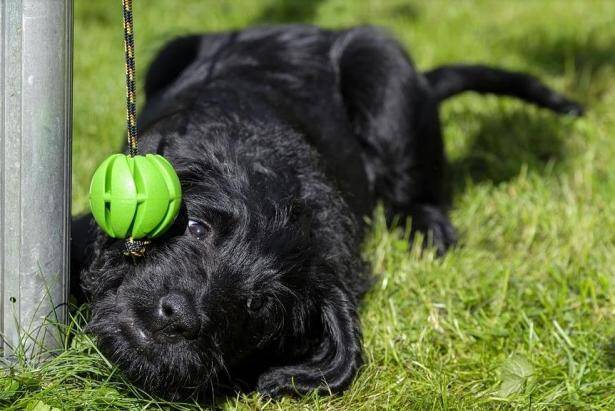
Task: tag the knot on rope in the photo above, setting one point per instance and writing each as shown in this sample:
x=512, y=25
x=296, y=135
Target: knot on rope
x=135, y=248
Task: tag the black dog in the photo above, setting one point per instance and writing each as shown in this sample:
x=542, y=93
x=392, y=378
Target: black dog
x=283, y=138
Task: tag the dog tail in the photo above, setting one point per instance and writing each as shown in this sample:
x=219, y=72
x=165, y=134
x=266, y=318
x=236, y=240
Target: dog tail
x=450, y=80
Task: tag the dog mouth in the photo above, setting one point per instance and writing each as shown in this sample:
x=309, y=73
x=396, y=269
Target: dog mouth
x=170, y=368
x=142, y=340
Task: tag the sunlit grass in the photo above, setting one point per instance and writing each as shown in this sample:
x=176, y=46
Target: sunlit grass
x=521, y=314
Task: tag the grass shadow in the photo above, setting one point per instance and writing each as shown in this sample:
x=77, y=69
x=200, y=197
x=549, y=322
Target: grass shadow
x=305, y=11
x=289, y=11
x=609, y=353
x=504, y=144
x=588, y=57
x=407, y=11
x=96, y=13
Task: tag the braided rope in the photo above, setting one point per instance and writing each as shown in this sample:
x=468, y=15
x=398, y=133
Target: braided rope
x=134, y=248
x=131, y=92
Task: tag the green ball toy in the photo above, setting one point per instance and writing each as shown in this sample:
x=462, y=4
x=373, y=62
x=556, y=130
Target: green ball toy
x=135, y=197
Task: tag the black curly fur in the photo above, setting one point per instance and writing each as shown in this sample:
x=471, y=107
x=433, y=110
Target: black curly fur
x=283, y=138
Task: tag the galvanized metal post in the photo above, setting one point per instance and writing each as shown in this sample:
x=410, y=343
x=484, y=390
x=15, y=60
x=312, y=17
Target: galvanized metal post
x=35, y=173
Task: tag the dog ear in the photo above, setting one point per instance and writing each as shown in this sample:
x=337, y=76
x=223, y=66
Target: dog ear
x=331, y=366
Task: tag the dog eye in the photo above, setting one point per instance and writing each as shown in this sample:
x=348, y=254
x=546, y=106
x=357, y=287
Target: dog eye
x=198, y=229
x=256, y=303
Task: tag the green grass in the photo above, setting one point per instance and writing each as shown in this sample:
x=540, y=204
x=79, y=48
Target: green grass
x=522, y=313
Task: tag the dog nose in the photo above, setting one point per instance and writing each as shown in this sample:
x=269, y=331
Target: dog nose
x=176, y=316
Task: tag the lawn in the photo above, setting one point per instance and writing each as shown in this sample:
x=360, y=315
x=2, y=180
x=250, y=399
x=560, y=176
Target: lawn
x=522, y=313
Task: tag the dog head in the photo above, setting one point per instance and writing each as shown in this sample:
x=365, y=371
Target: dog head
x=239, y=286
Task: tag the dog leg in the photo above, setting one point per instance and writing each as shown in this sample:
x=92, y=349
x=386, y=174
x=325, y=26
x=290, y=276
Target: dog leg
x=435, y=225
x=394, y=114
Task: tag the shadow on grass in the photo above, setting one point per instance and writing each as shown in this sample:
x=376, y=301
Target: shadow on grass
x=408, y=11
x=520, y=137
x=609, y=352
x=551, y=53
x=304, y=11
x=289, y=11
x=590, y=57
x=96, y=13
x=504, y=144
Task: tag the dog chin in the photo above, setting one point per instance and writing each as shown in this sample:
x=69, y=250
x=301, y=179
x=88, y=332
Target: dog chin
x=168, y=370
x=171, y=370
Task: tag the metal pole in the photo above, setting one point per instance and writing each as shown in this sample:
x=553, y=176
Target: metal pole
x=35, y=174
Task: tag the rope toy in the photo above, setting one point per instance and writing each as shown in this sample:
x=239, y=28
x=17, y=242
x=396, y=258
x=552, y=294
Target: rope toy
x=134, y=197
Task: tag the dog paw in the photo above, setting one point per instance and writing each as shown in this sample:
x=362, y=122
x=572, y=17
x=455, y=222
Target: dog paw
x=275, y=384
x=571, y=108
x=291, y=381
x=435, y=225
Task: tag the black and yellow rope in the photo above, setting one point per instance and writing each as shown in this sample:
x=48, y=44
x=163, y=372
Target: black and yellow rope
x=134, y=248
x=131, y=92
